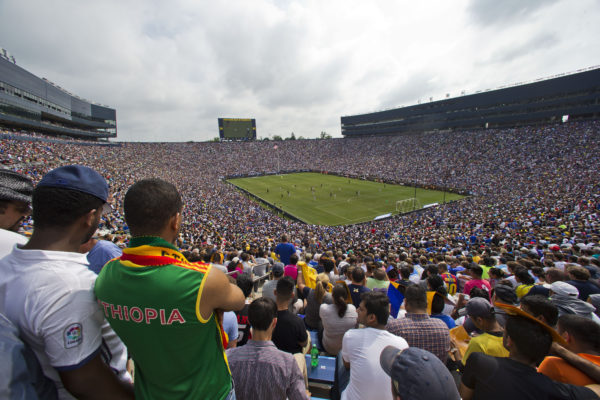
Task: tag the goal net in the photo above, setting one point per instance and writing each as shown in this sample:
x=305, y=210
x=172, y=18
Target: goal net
x=407, y=205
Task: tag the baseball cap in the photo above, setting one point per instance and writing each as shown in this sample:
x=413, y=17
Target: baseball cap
x=479, y=307
x=78, y=178
x=417, y=374
x=277, y=269
x=14, y=186
x=562, y=289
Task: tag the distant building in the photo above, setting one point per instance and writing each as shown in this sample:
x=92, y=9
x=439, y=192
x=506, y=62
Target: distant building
x=33, y=103
x=554, y=100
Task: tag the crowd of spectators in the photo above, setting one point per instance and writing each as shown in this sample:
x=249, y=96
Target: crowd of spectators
x=530, y=224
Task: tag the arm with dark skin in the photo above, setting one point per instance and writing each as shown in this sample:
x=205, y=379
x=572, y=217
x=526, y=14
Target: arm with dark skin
x=95, y=380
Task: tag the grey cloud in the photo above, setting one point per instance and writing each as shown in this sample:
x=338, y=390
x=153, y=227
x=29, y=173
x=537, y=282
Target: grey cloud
x=518, y=49
x=503, y=12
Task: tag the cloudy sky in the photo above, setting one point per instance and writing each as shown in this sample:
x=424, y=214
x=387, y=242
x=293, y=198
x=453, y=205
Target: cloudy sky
x=171, y=68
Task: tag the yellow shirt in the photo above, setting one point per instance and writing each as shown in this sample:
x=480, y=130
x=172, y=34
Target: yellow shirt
x=487, y=344
x=522, y=290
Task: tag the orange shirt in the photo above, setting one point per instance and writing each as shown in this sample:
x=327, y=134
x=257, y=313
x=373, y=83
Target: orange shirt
x=559, y=370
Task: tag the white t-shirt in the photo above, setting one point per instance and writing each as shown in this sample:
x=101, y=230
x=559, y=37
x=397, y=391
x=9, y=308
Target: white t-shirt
x=8, y=240
x=49, y=296
x=362, y=347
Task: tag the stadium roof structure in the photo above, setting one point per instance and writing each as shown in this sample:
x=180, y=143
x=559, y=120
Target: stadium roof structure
x=33, y=103
x=544, y=101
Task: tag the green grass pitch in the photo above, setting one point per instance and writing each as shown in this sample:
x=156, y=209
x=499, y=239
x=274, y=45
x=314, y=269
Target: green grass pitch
x=321, y=199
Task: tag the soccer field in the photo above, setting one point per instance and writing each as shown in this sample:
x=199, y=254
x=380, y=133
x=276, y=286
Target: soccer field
x=321, y=199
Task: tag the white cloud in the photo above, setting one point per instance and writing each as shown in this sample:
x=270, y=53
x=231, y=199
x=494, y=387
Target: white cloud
x=172, y=68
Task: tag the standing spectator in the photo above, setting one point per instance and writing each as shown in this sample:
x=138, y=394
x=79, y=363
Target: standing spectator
x=337, y=319
x=99, y=252
x=284, y=250
x=15, y=199
x=268, y=289
x=361, y=349
x=178, y=302
x=259, y=369
x=49, y=278
x=290, y=333
x=566, y=298
x=417, y=328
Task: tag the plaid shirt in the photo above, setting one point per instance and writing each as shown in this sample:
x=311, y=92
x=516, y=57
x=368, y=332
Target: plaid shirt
x=426, y=333
x=261, y=371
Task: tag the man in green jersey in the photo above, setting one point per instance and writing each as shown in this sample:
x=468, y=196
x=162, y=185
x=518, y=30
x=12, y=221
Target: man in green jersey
x=166, y=309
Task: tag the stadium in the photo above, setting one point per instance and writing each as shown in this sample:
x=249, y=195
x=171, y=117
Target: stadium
x=514, y=171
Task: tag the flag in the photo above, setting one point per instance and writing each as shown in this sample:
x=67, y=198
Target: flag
x=309, y=274
x=275, y=147
x=396, y=298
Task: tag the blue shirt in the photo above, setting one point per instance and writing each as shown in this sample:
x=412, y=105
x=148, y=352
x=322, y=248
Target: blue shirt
x=284, y=251
x=356, y=291
x=101, y=253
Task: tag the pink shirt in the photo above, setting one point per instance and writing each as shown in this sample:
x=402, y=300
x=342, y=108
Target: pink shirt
x=479, y=283
x=291, y=270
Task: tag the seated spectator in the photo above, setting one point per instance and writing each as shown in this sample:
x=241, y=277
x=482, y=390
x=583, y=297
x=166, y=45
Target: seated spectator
x=540, y=308
x=235, y=268
x=524, y=282
x=314, y=298
x=566, y=298
x=378, y=280
x=361, y=349
x=552, y=275
x=482, y=314
x=244, y=282
x=503, y=293
x=259, y=369
x=291, y=269
x=417, y=328
x=476, y=281
x=582, y=337
x=450, y=280
x=438, y=304
x=515, y=377
x=580, y=278
x=357, y=287
x=337, y=318
x=417, y=375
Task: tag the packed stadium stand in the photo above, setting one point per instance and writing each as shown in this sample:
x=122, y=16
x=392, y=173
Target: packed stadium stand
x=525, y=183
x=544, y=101
x=27, y=101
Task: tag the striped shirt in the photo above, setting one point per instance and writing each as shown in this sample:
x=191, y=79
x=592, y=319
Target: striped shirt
x=261, y=371
x=421, y=331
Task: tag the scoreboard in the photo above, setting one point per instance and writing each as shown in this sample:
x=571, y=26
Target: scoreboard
x=237, y=128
